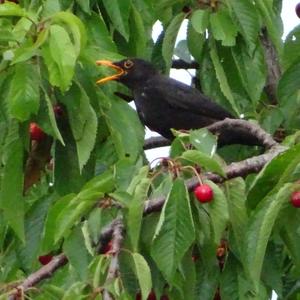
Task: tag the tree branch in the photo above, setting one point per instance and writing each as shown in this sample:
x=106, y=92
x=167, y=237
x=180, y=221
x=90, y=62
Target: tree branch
x=225, y=128
x=156, y=142
x=238, y=169
x=273, y=67
x=41, y=274
x=113, y=270
x=181, y=64
x=114, y=230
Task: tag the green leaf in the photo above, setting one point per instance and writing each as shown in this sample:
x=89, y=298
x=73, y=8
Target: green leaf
x=170, y=39
x=271, y=21
x=67, y=175
x=50, y=7
x=233, y=284
x=135, y=211
x=6, y=35
x=83, y=122
x=222, y=78
x=273, y=175
x=34, y=228
x=259, y=230
x=195, y=42
x=253, y=78
x=204, y=160
x=61, y=53
x=82, y=202
x=223, y=28
x=126, y=129
x=75, y=26
x=75, y=291
x=99, y=33
x=50, y=224
x=182, y=51
x=271, y=119
x=11, y=194
x=138, y=40
x=200, y=20
x=84, y=5
x=289, y=83
x=26, y=52
x=204, y=141
x=118, y=11
x=290, y=233
x=11, y=9
x=143, y=274
x=218, y=212
x=174, y=232
x=24, y=94
x=245, y=14
x=52, y=119
x=76, y=252
x=291, y=50
x=236, y=201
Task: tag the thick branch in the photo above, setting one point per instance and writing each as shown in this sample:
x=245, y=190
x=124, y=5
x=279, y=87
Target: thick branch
x=273, y=67
x=41, y=274
x=225, y=128
x=251, y=129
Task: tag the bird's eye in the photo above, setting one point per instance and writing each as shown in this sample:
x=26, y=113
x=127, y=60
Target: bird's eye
x=128, y=64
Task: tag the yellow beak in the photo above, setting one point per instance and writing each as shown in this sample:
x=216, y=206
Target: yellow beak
x=111, y=65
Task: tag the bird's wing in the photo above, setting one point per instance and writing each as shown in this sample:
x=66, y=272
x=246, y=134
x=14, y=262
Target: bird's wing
x=182, y=96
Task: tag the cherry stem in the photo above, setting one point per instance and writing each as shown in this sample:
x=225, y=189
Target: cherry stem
x=190, y=168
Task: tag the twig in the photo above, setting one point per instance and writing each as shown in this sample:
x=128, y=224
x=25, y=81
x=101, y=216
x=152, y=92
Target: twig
x=113, y=270
x=181, y=64
x=273, y=67
x=41, y=274
x=156, y=142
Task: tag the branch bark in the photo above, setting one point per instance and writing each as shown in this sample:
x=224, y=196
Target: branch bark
x=225, y=127
x=181, y=64
x=113, y=270
x=41, y=274
x=273, y=67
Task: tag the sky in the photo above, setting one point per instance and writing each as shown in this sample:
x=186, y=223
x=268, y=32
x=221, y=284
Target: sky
x=290, y=20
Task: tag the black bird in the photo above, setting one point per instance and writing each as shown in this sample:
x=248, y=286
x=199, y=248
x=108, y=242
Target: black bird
x=163, y=103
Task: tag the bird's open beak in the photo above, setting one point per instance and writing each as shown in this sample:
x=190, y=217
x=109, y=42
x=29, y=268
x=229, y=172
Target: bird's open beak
x=111, y=65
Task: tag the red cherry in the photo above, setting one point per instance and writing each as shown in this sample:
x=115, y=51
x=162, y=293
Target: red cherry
x=295, y=199
x=45, y=259
x=186, y=9
x=297, y=9
x=195, y=258
x=203, y=193
x=150, y=297
x=138, y=296
x=107, y=247
x=58, y=111
x=36, y=133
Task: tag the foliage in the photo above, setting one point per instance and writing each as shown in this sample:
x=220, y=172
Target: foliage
x=58, y=194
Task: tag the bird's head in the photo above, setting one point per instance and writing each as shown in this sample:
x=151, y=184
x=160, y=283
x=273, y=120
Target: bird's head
x=131, y=72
